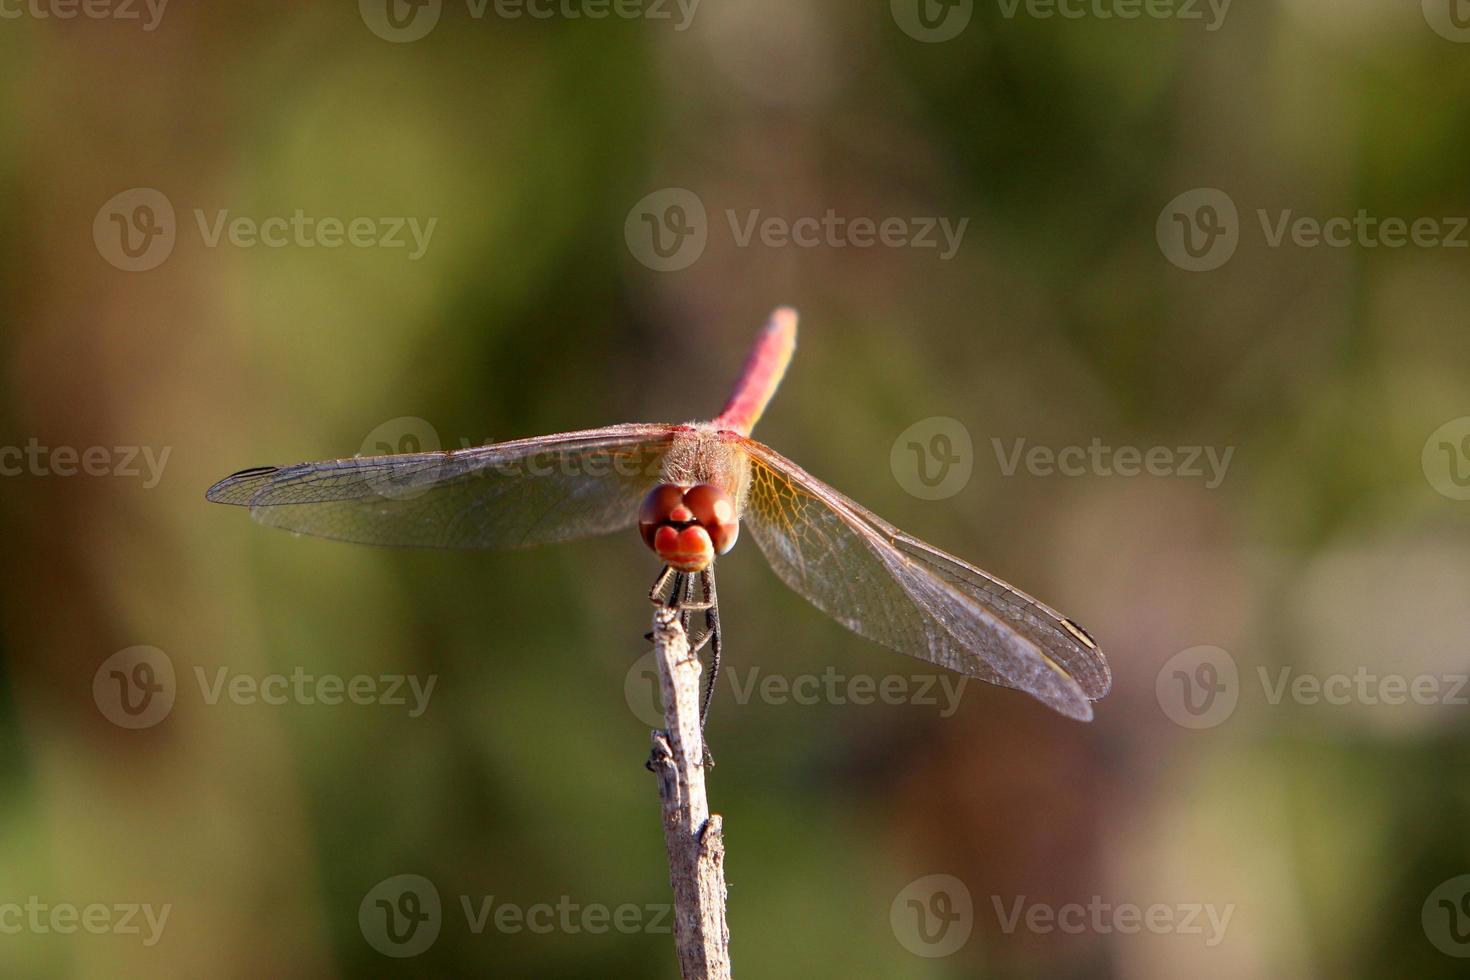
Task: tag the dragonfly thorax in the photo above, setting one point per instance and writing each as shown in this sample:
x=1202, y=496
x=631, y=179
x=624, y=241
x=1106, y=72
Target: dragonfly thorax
x=688, y=526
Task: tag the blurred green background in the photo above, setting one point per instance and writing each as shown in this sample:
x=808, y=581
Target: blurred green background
x=1335, y=545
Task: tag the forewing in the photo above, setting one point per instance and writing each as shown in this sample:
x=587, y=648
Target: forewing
x=505, y=495
x=898, y=591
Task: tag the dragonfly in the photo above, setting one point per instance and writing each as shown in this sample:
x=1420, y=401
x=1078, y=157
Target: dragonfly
x=689, y=489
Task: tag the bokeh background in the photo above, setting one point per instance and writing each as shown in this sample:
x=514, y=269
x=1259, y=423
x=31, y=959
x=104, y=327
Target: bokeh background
x=1332, y=835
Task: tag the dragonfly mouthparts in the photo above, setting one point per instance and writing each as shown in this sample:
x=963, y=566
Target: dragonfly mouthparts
x=688, y=526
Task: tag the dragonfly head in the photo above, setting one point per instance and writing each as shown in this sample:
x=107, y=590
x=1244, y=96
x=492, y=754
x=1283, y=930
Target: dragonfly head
x=688, y=526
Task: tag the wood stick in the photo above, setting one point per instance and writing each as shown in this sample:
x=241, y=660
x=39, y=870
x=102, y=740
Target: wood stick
x=694, y=838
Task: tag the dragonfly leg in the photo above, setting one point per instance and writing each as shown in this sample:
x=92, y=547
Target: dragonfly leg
x=684, y=584
x=678, y=597
x=656, y=594
x=712, y=620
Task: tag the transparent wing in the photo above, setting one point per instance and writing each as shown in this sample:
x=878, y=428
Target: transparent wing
x=898, y=591
x=506, y=495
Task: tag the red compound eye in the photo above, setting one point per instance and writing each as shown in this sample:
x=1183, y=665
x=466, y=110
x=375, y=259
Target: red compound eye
x=715, y=513
x=657, y=508
x=700, y=519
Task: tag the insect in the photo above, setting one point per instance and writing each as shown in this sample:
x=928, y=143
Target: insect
x=690, y=489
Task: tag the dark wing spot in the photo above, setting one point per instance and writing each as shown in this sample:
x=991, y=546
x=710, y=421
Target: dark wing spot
x=1080, y=633
x=238, y=488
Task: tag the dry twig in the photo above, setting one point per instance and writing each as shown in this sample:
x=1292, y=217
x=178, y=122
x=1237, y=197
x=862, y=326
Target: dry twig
x=694, y=838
